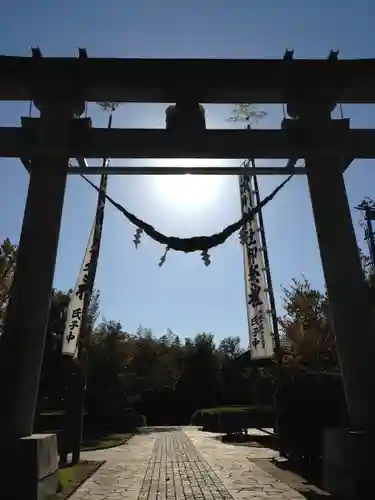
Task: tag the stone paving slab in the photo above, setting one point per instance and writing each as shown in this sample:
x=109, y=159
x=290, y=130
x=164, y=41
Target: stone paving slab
x=121, y=477
x=243, y=479
x=180, y=464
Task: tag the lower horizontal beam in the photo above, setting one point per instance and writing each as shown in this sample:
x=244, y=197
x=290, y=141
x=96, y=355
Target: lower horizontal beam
x=152, y=170
x=32, y=141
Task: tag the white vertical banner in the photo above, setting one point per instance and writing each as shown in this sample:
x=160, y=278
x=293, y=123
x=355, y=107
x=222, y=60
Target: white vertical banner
x=257, y=296
x=75, y=308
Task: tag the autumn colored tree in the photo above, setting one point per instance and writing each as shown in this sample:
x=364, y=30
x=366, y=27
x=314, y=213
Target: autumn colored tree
x=308, y=326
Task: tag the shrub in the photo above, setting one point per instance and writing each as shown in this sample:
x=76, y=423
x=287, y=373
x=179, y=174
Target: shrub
x=197, y=418
x=233, y=419
x=125, y=420
x=141, y=420
x=49, y=421
x=233, y=422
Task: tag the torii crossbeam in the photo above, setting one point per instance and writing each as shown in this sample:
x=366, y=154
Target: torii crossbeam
x=159, y=80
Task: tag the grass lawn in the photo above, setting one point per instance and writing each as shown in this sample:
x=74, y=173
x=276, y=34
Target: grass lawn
x=72, y=477
x=91, y=443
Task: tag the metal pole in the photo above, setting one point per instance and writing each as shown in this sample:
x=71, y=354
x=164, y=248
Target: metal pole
x=86, y=328
x=154, y=170
x=291, y=165
x=275, y=326
x=277, y=347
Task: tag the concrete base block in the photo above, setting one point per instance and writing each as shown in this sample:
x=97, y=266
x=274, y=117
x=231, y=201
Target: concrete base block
x=337, y=471
x=30, y=468
x=348, y=463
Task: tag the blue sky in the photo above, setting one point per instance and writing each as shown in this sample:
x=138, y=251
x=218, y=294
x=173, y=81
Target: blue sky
x=184, y=295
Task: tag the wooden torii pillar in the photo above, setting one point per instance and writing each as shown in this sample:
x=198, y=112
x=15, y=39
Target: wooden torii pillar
x=348, y=296
x=23, y=340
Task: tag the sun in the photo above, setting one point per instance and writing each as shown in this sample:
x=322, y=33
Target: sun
x=188, y=192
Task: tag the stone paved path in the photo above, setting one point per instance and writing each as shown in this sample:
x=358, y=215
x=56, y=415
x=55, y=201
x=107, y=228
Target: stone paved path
x=184, y=464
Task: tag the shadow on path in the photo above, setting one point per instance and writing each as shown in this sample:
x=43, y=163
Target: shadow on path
x=260, y=441
x=303, y=477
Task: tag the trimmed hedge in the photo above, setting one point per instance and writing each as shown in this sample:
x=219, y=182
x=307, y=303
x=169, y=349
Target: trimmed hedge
x=233, y=419
x=49, y=421
x=124, y=422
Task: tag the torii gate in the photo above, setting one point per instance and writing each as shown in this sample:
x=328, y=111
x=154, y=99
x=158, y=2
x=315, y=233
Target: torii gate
x=59, y=88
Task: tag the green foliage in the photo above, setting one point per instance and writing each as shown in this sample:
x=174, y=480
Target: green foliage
x=8, y=253
x=162, y=379
x=141, y=421
x=93, y=312
x=167, y=380
x=96, y=442
x=53, y=379
x=51, y=385
x=312, y=395
x=198, y=415
x=231, y=347
x=369, y=273
x=72, y=477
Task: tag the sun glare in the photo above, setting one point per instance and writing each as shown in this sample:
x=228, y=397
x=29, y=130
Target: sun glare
x=188, y=192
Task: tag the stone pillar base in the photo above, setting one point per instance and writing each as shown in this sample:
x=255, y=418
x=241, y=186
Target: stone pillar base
x=337, y=472
x=347, y=463
x=362, y=444
x=30, y=468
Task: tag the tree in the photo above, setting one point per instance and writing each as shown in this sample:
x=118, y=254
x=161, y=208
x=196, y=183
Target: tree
x=144, y=332
x=231, y=347
x=8, y=253
x=200, y=378
x=52, y=380
x=51, y=386
x=308, y=326
x=170, y=338
x=93, y=312
x=109, y=384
